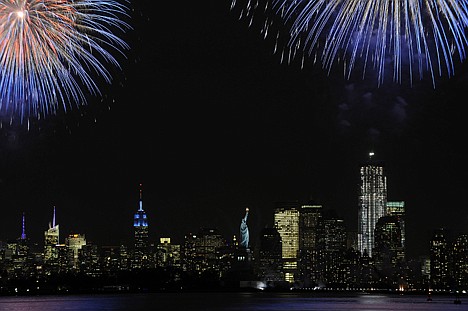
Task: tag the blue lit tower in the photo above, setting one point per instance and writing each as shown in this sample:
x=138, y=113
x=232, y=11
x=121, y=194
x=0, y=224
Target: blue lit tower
x=23, y=230
x=140, y=225
x=23, y=244
x=372, y=202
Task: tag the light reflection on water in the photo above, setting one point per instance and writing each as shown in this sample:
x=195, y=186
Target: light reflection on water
x=229, y=302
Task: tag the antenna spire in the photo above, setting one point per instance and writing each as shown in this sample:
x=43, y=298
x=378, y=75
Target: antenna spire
x=23, y=232
x=53, y=218
x=141, y=198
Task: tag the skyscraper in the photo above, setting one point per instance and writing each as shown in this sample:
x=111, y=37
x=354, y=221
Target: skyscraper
x=270, y=264
x=51, y=240
x=397, y=209
x=287, y=224
x=74, y=243
x=140, y=225
x=388, y=249
x=439, y=255
x=459, y=249
x=332, y=269
x=372, y=202
x=310, y=233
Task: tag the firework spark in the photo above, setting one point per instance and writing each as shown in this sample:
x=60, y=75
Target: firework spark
x=413, y=37
x=50, y=50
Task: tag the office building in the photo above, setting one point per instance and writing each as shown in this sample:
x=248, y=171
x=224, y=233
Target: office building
x=75, y=242
x=51, y=240
x=439, y=256
x=310, y=243
x=388, y=250
x=397, y=209
x=286, y=220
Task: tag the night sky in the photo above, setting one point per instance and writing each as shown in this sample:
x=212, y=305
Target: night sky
x=205, y=116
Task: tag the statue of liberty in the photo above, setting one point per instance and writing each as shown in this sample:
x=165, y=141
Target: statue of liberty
x=244, y=230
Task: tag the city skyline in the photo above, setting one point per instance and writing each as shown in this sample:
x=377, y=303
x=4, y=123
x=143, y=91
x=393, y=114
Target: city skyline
x=206, y=117
x=141, y=236
x=307, y=249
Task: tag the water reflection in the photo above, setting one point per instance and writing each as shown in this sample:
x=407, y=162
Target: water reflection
x=229, y=301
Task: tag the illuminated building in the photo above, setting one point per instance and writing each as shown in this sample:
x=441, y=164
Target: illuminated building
x=372, y=202
x=168, y=254
x=287, y=223
x=110, y=257
x=89, y=260
x=388, y=250
x=207, y=244
x=15, y=256
x=439, y=259
x=123, y=258
x=397, y=209
x=75, y=242
x=201, y=251
x=310, y=233
x=51, y=240
x=332, y=268
x=140, y=226
x=425, y=266
x=460, y=262
x=23, y=242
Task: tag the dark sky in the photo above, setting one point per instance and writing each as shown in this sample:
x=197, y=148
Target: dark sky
x=207, y=119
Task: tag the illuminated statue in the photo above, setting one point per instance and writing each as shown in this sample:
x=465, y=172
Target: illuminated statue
x=244, y=230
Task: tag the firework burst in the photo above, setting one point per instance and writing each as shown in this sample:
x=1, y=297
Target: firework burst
x=412, y=38
x=51, y=50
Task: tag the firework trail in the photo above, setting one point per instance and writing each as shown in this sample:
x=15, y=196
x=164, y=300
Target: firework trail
x=50, y=50
x=410, y=37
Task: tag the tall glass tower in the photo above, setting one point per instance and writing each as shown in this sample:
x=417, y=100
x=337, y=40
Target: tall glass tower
x=372, y=202
x=140, y=225
x=287, y=224
x=51, y=240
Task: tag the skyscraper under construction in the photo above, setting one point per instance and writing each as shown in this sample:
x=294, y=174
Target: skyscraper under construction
x=372, y=202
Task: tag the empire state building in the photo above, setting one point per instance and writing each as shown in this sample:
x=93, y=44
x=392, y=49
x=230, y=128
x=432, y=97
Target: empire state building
x=140, y=225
